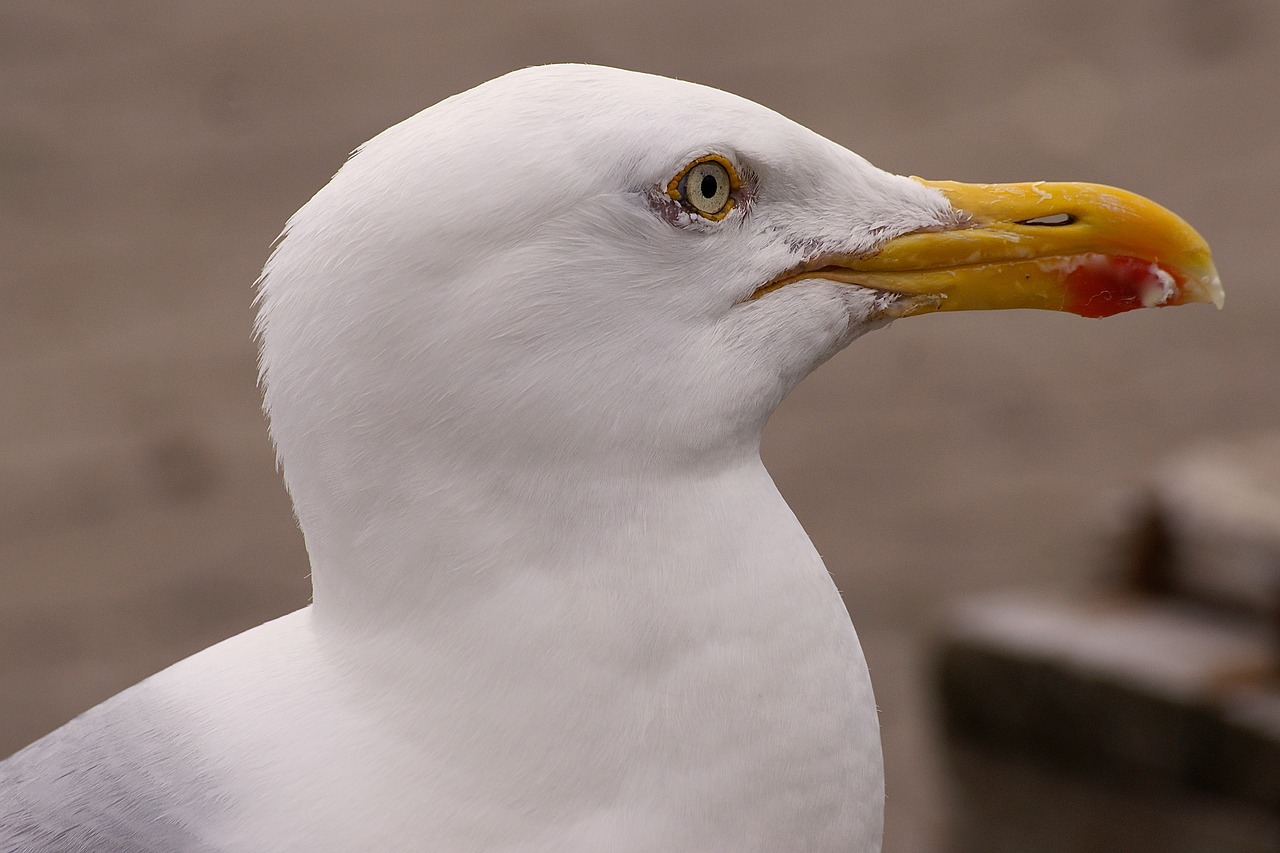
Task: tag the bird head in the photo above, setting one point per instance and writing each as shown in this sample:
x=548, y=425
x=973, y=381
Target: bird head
x=573, y=265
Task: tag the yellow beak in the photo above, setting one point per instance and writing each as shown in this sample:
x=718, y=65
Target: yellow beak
x=1083, y=248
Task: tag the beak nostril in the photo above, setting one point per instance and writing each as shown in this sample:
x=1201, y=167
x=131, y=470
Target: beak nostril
x=1052, y=219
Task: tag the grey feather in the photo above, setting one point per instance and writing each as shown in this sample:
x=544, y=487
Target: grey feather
x=111, y=780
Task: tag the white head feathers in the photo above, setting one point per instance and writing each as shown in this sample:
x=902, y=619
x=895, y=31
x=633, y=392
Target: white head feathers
x=500, y=288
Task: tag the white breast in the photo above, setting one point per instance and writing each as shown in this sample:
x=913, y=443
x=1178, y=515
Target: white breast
x=715, y=699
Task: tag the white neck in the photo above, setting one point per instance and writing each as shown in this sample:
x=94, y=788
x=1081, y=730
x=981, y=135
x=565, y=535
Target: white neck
x=427, y=536
x=676, y=642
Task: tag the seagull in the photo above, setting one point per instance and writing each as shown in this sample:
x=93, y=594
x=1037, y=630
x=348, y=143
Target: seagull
x=516, y=357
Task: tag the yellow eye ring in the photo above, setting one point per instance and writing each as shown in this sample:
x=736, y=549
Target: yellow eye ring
x=706, y=187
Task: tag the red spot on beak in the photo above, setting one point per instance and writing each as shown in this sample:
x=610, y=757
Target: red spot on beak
x=1103, y=285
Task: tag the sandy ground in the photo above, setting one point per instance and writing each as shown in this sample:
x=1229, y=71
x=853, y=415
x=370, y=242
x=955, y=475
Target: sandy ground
x=150, y=152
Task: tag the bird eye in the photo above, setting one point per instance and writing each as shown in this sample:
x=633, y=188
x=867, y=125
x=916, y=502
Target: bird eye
x=706, y=186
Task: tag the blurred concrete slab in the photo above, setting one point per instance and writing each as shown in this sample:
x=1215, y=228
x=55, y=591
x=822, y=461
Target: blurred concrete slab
x=1208, y=528
x=1145, y=717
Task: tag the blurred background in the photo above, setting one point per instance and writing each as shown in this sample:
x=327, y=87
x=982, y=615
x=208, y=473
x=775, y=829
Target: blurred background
x=151, y=151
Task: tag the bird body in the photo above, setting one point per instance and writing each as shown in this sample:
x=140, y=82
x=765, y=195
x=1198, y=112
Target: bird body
x=487, y=731
x=517, y=357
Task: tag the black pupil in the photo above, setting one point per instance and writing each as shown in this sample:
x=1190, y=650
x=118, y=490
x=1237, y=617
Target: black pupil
x=709, y=186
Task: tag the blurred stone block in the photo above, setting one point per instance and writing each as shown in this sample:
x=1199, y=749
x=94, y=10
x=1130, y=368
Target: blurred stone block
x=1208, y=528
x=1013, y=805
x=1145, y=719
x=1102, y=718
